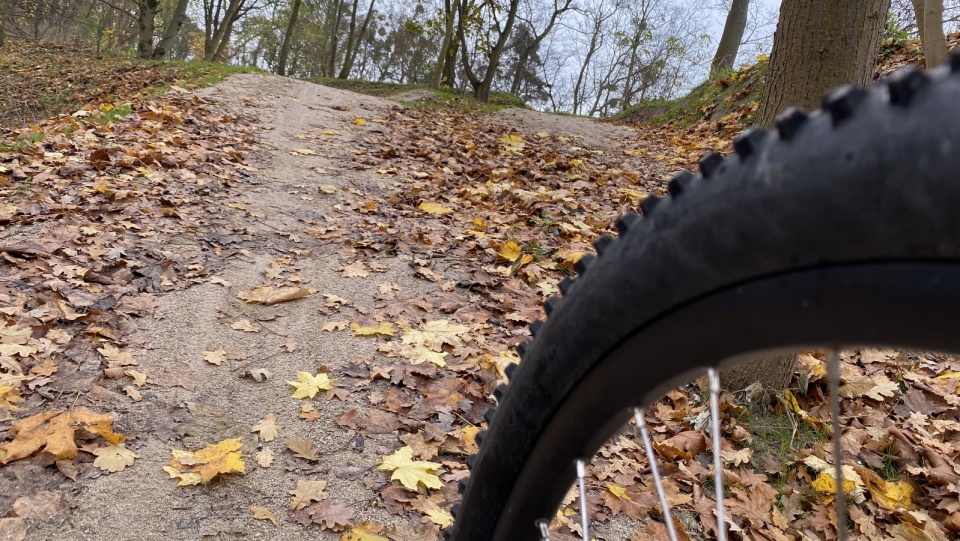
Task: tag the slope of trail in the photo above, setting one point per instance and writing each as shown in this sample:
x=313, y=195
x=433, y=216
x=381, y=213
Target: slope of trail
x=294, y=229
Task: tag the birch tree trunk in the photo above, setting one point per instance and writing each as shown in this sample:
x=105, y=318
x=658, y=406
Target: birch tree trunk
x=930, y=26
x=146, y=15
x=172, y=30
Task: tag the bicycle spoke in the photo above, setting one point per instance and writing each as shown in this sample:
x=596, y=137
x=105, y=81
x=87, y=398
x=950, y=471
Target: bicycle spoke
x=652, y=459
x=713, y=380
x=833, y=368
x=544, y=533
x=581, y=476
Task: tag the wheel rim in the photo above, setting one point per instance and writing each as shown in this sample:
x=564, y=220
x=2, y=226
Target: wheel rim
x=812, y=305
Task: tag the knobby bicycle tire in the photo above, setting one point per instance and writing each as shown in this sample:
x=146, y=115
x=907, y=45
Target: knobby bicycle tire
x=839, y=227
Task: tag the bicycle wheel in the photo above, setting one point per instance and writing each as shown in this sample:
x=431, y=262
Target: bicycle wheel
x=836, y=228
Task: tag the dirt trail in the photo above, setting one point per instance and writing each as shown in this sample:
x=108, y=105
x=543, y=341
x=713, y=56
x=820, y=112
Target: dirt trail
x=192, y=402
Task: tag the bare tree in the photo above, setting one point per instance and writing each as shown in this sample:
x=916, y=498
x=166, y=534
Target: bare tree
x=482, y=85
x=444, y=71
x=732, y=36
x=353, y=39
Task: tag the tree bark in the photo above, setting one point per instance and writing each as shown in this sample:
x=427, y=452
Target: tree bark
x=729, y=44
x=287, y=37
x=483, y=94
x=146, y=15
x=446, y=54
x=172, y=30
x=819, y=45
x=353, y=40
x=334, y=38
x=215, y=45
x=774, y=371
x=4, y=15
x=930, y=26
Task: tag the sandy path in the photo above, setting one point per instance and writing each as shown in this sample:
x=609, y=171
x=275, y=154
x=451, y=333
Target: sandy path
x=190, y=402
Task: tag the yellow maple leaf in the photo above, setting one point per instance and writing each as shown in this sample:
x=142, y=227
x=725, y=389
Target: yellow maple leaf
x=409, y=472
x=382, y=329
x=194, y=468
x=421, y=354
x=619, y=492
x=365, y=531
x=435, y=513
x=434, y=208
x=308, y=385
x=510, y=251
x=893, y=495
x=113, y=458
x=512, y=143
x=54, y=432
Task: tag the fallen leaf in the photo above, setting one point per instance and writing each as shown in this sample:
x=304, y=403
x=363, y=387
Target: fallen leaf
x=308, y=385
x=267, y=427
x=54, y=431
x=332, y=516
x=193, y=468
x=268, y=295
x=264, y=458
x=113, y=458
x=411, y=473
x=376, y=329
x=244, y=325
x=302, y=447
x=217, y=356
x=365, y=531
x=262, y=513
x=306, y=493
x=434, y=208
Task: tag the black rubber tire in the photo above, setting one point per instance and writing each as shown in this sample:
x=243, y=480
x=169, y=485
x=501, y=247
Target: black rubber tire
x=841, y=227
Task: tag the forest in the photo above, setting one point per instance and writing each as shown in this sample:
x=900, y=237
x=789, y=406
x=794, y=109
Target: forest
x=593, y=57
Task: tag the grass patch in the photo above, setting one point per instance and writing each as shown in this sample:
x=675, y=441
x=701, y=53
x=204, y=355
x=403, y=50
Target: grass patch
x=110, y=113
x=777, y=439
x=711, y=100
x=442, y=100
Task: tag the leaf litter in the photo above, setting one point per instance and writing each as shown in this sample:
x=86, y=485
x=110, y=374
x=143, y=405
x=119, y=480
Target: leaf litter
x=490, y=219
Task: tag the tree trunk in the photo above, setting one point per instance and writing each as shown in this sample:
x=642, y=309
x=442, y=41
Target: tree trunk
x=350, y=33
x=334, y=38
x=287, y=37
x=493, y=60
x=930, y=27
x=820, y=45
x=146, y=15
x=775, y=372
x=353, y=41
x=172, y=30
x=215, y=46
x=4, y=14
x=732, y=36
x=446, y=54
